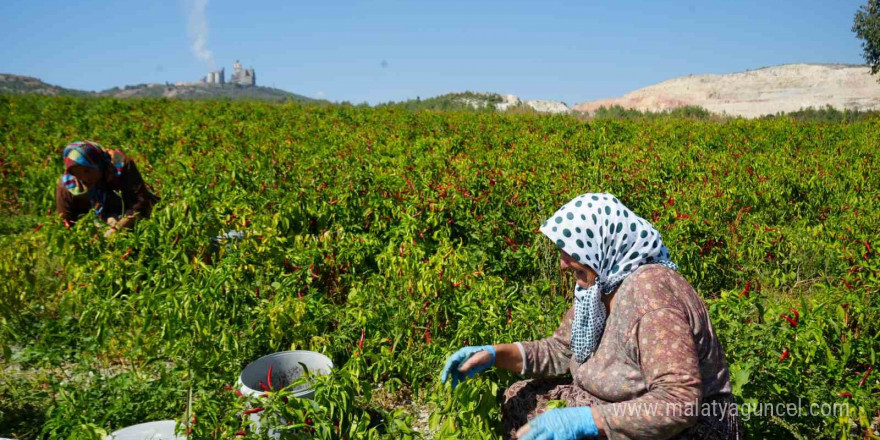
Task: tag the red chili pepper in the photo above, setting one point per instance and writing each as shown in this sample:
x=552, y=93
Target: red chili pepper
x=264, y=387
x=797, y=316
x=240, y=433
x=867, y=246
x=126, y=254
x=39, y=226
x=846, y=394
x=746, y=290
x=227, y=387
x=865, y=377
x=427, y=336
x=458, y=283
x=361, y=341
x=790, y=320
x=269, y=377
x=848, y=285
x=253, y=410
x=238, y=393
x=66, y=224
x=784, y=355
x=509, y=320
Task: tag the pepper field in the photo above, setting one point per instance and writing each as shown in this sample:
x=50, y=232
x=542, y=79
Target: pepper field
x=386, y=239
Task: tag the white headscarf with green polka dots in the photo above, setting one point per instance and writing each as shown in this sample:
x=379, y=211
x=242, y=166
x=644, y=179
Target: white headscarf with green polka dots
x=600, y=232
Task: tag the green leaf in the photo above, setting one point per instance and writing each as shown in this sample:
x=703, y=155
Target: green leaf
x=555, y=404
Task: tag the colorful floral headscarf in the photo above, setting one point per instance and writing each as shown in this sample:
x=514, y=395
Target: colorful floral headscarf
x=91, y=155
x=600, y=232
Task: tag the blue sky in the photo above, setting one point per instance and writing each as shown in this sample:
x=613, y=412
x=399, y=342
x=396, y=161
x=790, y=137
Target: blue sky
x=377, y=51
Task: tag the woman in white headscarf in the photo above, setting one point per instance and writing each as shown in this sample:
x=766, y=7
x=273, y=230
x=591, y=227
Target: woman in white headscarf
x=644, y=360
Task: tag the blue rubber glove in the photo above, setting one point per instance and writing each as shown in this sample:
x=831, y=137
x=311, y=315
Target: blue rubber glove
x=563, y=424
x=460, y=357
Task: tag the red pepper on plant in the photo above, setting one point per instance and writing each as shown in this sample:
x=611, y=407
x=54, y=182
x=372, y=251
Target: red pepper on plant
x=253, y=410
x=269, y=377
x=746, y=290
x=865, y=376
x=784, y=355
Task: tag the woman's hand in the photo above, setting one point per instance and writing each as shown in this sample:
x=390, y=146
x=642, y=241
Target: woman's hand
x=117, y=224
x=467, y=362
x=125, y=222
x=561, y=424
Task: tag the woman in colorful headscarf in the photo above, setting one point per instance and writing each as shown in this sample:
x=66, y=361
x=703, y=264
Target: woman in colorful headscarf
x=104, y=181
x=644, y=360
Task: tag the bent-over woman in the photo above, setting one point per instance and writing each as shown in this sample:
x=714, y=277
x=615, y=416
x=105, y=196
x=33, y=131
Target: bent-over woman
x=104, y=181
x=643, y=358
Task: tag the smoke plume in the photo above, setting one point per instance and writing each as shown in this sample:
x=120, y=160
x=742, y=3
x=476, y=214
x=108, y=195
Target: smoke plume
x=197, y=26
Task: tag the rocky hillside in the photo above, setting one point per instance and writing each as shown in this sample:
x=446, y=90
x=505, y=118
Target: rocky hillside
x=538, y=105
x=18, y=84
x=759, y=92
x=481, y=101
x=203, y=91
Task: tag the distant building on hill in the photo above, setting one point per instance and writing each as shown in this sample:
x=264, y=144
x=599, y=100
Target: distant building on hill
x=240, y=76
x=245, y=77
x=215, y=77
